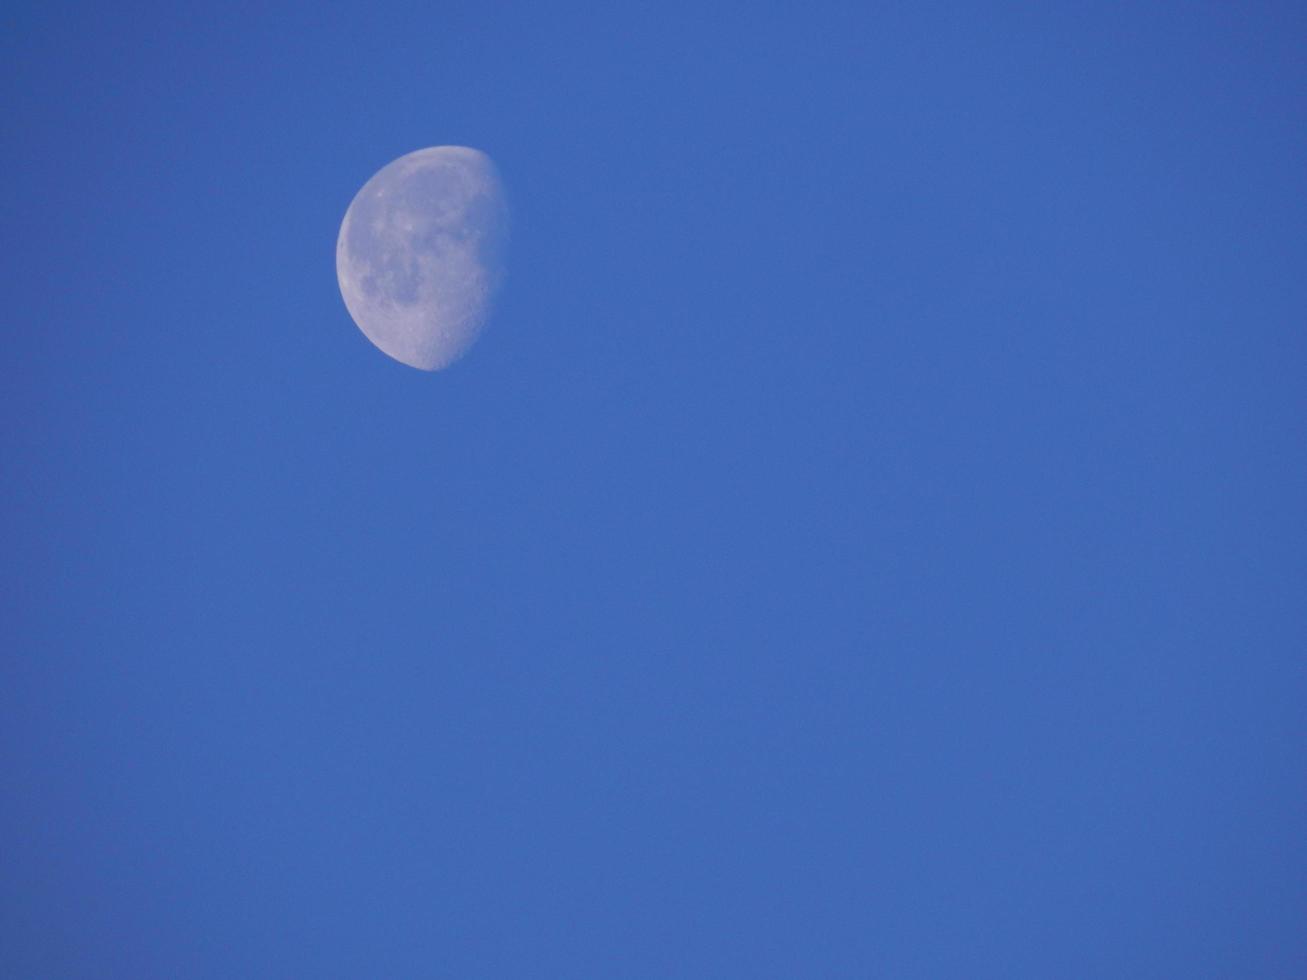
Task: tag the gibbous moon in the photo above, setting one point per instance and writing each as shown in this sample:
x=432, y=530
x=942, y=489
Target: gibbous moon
x=420, y=254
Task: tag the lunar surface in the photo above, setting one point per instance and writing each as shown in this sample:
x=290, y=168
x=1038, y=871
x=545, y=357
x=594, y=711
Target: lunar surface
x=421, y=254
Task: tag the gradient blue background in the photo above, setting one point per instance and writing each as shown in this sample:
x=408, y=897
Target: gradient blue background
x=869, y=541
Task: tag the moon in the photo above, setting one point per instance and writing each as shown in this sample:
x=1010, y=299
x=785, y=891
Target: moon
x=421, y=254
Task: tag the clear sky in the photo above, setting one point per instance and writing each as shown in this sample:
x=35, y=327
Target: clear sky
x=870, y=540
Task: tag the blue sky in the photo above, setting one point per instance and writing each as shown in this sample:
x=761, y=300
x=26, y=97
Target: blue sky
x=868, y=541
